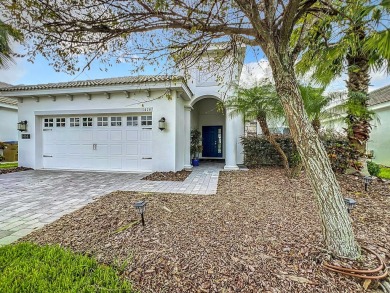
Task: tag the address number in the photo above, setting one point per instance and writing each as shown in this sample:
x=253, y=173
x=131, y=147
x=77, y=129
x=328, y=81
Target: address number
x=148, y=109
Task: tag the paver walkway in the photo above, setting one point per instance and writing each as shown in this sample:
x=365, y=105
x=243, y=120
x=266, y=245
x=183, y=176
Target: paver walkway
x=32, y=199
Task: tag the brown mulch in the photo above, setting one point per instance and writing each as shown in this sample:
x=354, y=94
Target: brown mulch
x=168, y=176
x=12, y=170
x=260, y=233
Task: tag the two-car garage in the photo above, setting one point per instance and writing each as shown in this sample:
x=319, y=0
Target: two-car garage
x=117, y=142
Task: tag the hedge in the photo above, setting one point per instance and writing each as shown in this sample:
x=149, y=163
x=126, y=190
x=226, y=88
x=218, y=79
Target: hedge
x=259, y=152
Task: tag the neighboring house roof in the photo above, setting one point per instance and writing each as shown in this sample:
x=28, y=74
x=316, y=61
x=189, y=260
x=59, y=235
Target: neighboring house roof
x=7, y=101
x=379, y=96
x=95, y=82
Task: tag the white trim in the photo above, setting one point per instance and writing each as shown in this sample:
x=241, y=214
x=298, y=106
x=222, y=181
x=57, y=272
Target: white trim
x=94, y=111
x=8, y=106
x=180, y=86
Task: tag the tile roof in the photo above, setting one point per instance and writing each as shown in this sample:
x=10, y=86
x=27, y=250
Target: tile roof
x=12, y=102
x=94, y=82
x=379, y=96
x=9, y=101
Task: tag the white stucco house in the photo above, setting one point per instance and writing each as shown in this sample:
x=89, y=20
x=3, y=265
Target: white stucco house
x=379, y=142
x=113, y=124
x=8, y=117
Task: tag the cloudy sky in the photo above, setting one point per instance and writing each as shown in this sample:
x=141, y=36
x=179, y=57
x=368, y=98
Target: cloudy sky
x=255, y=69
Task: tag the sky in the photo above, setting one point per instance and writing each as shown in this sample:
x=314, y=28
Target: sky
x=256, y=67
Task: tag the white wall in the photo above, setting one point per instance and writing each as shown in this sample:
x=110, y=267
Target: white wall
x=8, y=124
x=164, y=142
x=180, y=138
x=380, y=137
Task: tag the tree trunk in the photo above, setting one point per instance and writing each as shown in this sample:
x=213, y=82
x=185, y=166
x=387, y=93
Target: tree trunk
x=271, y=139
x=359, y=127
x=336, y=224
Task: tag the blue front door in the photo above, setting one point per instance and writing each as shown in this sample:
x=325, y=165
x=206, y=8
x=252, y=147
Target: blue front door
x=212, y=141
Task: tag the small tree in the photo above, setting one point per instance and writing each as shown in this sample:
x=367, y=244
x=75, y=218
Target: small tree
x=196, y=143
x=261, y=103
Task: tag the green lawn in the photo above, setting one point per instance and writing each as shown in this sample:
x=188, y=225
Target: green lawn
x=384, y=173
x=8, y=165
x=26, y=267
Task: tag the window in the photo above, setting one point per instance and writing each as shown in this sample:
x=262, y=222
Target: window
x=116, y=121
x=48, y=122
x=146, y=120
x=60, y=122
x=132, y=121
x=102, y=121
x=74, y=122
x=87, y=121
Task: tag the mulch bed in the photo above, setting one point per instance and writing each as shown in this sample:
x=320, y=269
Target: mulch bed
x=12, y=170
x=168, y=176
x=260, y=233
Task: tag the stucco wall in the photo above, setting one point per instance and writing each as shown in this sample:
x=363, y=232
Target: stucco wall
x=380, y=137
x=164, y=157
x=8, y=124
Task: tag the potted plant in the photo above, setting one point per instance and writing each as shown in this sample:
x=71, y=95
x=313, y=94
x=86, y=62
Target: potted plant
x=196, y=146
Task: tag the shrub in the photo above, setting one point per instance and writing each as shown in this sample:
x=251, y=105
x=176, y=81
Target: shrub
x=373, y=168
x=26, y=267
x=259, y=152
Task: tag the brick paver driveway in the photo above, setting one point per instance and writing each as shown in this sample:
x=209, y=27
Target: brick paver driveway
x=32, y=199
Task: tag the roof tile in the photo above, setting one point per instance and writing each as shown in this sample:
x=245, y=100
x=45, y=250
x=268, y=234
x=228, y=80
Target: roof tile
x=94, y=82
x=379, y=96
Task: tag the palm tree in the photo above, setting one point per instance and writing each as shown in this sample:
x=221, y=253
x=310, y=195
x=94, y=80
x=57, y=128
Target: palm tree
x=316, y=104
x=6, y=34
x=343, y=39
x=261, y=103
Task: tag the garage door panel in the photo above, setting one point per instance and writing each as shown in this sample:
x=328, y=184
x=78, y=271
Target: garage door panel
x=101, y=135
x=116, y=150
x=74, y=149
x=132, y=135
x=132, y=149
x=103, y=147
x=131, y=163
x=87, y=135
x=59, y=149
x=116, y=135
x=102, y=150
x=115, y=164
x=145, y=149
x=145, y=135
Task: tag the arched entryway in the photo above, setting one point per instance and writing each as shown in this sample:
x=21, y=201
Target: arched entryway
x=211, y=122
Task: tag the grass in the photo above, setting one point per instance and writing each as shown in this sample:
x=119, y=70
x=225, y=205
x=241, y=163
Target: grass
x=8, y=165
x=27, y=267
x=384, y=172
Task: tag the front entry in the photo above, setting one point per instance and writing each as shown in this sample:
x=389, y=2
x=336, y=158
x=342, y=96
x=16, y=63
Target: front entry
x=212, y=141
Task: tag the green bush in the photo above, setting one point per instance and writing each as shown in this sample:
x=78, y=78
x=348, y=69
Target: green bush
x=259, y=152
x=373, y=169
x=26, y=267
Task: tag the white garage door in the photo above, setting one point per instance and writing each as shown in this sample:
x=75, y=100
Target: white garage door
x=110, y=142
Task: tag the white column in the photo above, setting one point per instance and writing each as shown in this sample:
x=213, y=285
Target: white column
x=240, y=128
x=231, y=143
x=187, y=134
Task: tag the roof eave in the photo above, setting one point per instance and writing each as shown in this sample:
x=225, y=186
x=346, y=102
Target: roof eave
x=176, y=84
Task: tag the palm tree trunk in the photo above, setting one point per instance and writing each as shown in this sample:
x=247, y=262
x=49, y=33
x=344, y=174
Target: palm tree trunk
x=359, y=127
x=336, y=224
x=271, y=139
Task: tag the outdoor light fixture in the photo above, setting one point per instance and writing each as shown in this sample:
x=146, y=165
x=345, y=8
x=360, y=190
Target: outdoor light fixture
x=350, y=204
x=22, y=125
x=161, y=124
x=367, y=180
x=140, y=207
